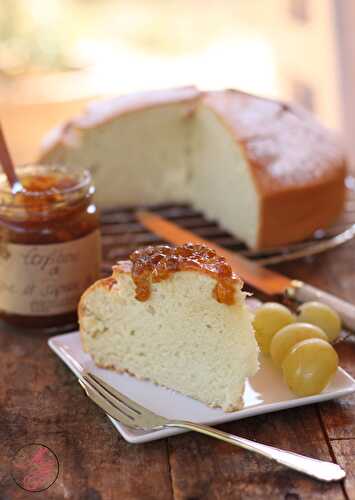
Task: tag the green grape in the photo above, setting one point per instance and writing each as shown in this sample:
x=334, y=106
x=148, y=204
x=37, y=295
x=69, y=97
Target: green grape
x=323, y=316
x=289, y=335
x=270, y=318
x=309, y=366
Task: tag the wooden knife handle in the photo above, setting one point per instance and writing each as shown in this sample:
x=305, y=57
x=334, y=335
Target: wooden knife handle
x=301, y=292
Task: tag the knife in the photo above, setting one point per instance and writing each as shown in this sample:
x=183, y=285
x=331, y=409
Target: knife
x=267, y=281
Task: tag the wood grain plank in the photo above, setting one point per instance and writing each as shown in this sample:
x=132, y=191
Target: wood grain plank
x=339, y=416
x=204, y=468
x=41, y=401
x=332, y=271
x=344, y=451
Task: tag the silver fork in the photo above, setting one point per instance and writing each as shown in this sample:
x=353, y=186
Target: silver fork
x=135, y=416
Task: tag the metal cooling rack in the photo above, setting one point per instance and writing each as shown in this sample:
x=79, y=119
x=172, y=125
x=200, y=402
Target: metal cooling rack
x=122, y=233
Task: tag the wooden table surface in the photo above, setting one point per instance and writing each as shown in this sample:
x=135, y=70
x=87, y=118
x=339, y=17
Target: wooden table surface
x=41, y=402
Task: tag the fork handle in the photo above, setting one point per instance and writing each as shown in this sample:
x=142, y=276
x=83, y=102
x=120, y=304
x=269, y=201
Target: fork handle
x=324, y=471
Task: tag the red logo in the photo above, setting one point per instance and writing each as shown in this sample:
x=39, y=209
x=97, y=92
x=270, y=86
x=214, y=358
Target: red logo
x=35, y=467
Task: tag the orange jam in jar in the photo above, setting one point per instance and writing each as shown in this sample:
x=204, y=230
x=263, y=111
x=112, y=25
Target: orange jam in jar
x=50, y=248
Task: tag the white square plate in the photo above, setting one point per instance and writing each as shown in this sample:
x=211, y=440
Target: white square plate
x=265, y=392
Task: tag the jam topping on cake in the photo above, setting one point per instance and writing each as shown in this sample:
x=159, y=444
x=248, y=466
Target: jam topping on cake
x=156, y=263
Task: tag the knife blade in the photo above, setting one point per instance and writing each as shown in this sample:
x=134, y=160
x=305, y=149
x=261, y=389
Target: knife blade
x=265, y=280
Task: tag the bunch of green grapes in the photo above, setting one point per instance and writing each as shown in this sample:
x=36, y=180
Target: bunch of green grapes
x=300, y=344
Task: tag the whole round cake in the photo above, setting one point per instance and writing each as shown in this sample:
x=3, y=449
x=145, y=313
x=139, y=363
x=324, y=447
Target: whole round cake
x=268, y=172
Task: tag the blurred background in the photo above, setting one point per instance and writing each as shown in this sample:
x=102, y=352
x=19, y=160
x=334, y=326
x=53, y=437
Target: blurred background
x=55, y=55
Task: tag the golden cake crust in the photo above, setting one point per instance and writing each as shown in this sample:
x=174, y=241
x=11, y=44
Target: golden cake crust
x=298, y=166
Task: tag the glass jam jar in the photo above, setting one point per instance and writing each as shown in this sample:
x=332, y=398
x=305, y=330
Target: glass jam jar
x=50, y=248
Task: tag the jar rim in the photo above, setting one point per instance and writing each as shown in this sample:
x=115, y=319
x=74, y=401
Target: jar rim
x=70, y=195
x=82, y=175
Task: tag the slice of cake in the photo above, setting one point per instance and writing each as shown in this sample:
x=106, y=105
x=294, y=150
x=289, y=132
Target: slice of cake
x=175, y=316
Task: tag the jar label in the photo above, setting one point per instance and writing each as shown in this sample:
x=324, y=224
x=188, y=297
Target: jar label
x=46, y=280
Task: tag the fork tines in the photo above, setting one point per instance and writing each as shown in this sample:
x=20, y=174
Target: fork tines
x=117, y=405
